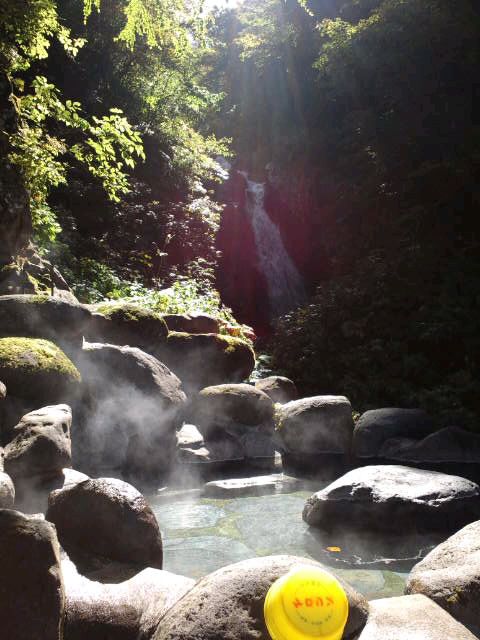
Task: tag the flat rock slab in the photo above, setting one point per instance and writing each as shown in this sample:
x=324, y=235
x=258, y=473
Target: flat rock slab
x=228, y=604
x=450, y=576
x=393, y=498
x=255, y=486
x=130, y=610
x=411, y=618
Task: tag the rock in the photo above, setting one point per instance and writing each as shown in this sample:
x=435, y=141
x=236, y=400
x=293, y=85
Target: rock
x=2, y=457
x=192, y=323
x=32, y=600
x=42, y=316
x=189, y=437
x=129, y=395
x=450, y=576
x=42, y=446
x=278, y=388
x=411, y=618
x=32, y=496
x=393, y=498
x=202, y=360
x=256, y=486
x=127, y=324
x=375, y=427
x=235, y=418
x=3, y=391
x=130, y=610
x=37, y=371
x=449, y=445
x=322, y=424
x=7, y=491
x=229, y=603
x=228, y=404
x=109, y=518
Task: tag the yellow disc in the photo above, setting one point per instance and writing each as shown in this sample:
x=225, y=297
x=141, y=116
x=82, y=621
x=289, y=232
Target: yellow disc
x=307, y=603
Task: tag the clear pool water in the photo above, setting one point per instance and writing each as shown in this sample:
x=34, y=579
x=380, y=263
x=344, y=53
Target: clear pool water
x=202, y=535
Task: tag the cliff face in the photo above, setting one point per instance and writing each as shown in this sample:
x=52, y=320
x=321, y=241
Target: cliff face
x=16, y=222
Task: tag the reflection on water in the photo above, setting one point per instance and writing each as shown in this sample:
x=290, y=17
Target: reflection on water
x=203, y=535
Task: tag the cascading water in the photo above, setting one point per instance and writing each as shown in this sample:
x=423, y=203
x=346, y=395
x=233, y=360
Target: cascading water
x=285, y=285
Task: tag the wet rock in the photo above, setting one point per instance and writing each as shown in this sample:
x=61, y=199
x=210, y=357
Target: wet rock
x=392, y=498
x=278, y=388
x=41, y=316
x=450, y=576
x=41, y=447
x=130, y=610
x=376, y=427
x=192, y=323
x=202, y=360
x=409, y=618
x=256, y=486
x=129, y=395
x=109, y=518
x=37, y=371
x=322, y=424
x=7, y=491
x=127, y=324
x=32, y=599
x=229, y=603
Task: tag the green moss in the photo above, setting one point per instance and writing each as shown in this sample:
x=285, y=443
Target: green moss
x=127, y=312
x=34, y=355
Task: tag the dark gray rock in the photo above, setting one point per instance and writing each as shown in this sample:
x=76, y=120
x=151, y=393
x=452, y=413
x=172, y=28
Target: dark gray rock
x=228, y=604
x=322, y=424
x=32, y=496
x=278, y=388
x=32, y=600
x=130, y=610
x=129, y=396
x=127, y=324
x=109, y=518
x=393, y=498
x=375, y=427
x=411, y=618
x=192, y=323
x=41, y=447
x=202, y=360
x=449, y=445
x=450, y=576
x=7, y=491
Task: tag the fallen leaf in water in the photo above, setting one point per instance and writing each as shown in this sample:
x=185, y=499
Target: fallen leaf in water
x=334, y=549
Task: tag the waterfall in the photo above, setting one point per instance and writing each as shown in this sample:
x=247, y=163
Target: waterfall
x=285, y=285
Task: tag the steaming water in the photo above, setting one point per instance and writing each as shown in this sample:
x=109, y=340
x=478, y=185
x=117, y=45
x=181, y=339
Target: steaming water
x=202, y=535
x=285, y=285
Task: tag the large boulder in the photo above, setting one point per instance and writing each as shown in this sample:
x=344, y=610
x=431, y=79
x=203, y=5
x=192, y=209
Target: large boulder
x=130, y=610
x=278, y=388
x=42, y=316
x=229, y=603
x=393, y=498
x=32, y=600
x=41, y=447
x=411, y=618
x=109, y=518
x=236, y=421
x=192, y=323
x=7, y=491
x=318, y=425
x=129, y=397
x=127, y=324
x=450, y=576
x=374, y=428
x=202, y=360
x=37, y=371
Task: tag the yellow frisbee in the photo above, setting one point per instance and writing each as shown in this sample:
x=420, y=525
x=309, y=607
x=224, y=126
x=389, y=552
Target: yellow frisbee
x=307, y=603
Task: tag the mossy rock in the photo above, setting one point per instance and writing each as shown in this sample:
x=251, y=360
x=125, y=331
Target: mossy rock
x=37, y=370
x=203, y=360
x=127, y=324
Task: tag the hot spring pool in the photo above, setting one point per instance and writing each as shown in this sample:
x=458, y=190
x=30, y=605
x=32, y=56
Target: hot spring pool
x=201, y=535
